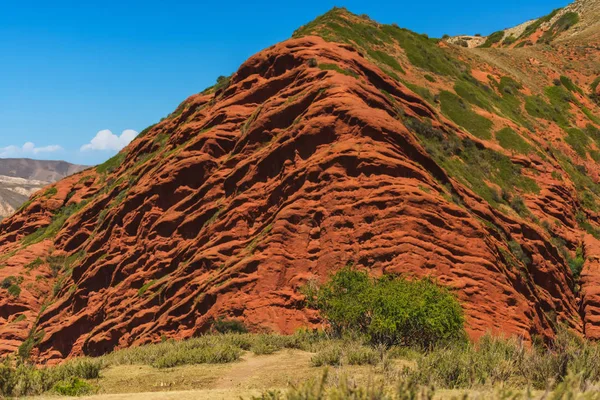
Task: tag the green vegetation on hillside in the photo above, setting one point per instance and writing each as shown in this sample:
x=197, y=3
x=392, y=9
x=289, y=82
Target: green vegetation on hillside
x=511, y=140
x=493, y=39
x=58, y=221
x=474, y=165
x=594, y=95
x=338, y=25
x=534, y=26
x=389, y=310
x=564, y=23
x=460, y=112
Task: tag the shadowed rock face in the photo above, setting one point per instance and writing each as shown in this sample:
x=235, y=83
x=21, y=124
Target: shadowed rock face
x=20, y=178
x=312, y=156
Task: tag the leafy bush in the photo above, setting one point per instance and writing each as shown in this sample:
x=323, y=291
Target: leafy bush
x=576, y=264
x=389, y=310
x=329, y=356
x=73, y=387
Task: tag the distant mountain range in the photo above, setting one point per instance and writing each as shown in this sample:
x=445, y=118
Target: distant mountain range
x=21, y=177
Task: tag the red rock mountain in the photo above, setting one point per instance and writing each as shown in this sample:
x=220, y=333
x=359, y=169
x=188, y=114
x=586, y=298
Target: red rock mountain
x=352, y=142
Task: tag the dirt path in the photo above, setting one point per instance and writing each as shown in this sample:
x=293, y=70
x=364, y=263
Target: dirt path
x=249, y=377
x=271, y=371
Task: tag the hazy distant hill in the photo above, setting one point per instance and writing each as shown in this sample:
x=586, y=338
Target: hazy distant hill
x=20, y=177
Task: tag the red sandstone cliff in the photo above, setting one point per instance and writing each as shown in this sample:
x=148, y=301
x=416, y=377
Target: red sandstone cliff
x=289, y=171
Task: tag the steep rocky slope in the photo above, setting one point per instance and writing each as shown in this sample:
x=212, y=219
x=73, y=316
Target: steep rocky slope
x=352, y=142
x=21, y=177
x=580, y=18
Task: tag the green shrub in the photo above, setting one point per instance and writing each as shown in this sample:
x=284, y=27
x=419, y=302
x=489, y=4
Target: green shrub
x=516, y=249
x=14, y=290
x=362, y=355
x=73, y=387
x=493, y=39
x=576, y=264
x=7, y=282
x=518, y=204
x=331, y=355
x=390, y=310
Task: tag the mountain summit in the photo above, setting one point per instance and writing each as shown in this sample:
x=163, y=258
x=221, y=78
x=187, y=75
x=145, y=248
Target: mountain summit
x=351, y=143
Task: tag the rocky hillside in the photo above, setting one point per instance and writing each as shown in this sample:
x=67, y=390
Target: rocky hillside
x=580, y=18
x=351, y=143
x=21, y=177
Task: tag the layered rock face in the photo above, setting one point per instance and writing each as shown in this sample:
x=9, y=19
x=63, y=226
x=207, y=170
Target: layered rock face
x=318, y=152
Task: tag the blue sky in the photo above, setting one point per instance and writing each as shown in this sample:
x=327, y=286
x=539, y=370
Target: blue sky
x=69, y=70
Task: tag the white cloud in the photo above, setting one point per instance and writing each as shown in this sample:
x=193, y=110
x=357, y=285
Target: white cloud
x=106, y=140
x=28, y=149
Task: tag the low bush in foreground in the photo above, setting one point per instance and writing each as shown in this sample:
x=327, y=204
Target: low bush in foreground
x=389, y=310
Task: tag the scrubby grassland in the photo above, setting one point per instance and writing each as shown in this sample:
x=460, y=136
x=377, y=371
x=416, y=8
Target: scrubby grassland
x=386, y=338
x=311, y=365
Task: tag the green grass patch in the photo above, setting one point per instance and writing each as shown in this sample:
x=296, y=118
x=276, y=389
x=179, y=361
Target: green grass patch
x=473, y=165
x=461, y=113
x=534, y=26
x=51, y=192
x=377, y=40
x=590, y=115
x=385, y=58
x=34, y=264
x=55, y=226
x=511, y=140
x=564, y=23
x=570, y=85
x=337, y=68
x=578, y=140
x=537, y=107
x=493, y=39
x=111, y=164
